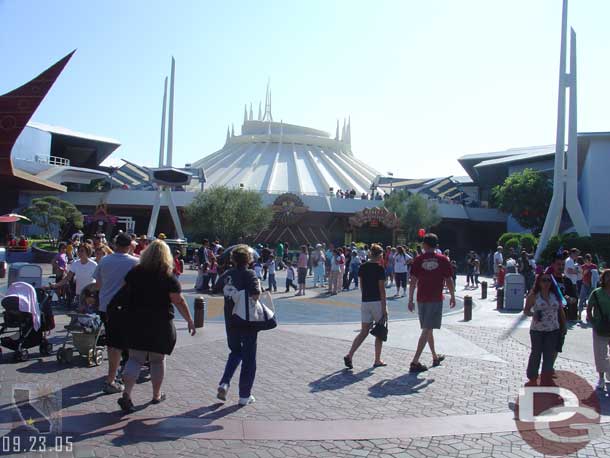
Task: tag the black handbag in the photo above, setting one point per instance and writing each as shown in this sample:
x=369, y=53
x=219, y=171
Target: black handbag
x=380, y=330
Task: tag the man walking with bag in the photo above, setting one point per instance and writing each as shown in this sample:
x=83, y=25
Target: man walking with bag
x=429, y=273
x=374, y=308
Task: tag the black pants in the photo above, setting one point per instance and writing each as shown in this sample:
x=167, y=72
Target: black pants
x=290, y=283
x=544, y=347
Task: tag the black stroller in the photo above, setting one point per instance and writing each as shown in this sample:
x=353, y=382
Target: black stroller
x=21, y=326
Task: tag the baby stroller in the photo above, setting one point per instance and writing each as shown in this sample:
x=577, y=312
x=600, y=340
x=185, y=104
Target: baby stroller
x=27, y=316
x=84, y=331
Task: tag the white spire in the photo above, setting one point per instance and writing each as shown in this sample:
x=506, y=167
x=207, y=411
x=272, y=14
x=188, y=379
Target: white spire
x=344, y=130
x=228, y=135
x=260, y=114
x=170, y=128
x=245, y=113
x=349, y=131
x=162, y=145
x=337, y=131
x=232, y=131
x=268, y=116
x=251, y=115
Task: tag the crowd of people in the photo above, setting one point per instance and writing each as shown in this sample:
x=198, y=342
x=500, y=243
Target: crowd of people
x=137, y=280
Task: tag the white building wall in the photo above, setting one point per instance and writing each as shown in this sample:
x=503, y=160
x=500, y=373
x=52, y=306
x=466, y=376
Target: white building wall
x=595, y=186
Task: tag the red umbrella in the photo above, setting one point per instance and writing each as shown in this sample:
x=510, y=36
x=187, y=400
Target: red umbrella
x=13, y=218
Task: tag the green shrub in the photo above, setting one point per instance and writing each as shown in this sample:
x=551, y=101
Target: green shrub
x=512, y=244
x=528, y=242
x=507, y=236
x=597, y=245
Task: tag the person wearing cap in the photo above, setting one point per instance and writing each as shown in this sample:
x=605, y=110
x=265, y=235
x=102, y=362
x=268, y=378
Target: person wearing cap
x=142, y=244
x=110, y=277
x=318, y=262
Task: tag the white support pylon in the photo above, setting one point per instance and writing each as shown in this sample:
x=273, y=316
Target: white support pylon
x=565, y=180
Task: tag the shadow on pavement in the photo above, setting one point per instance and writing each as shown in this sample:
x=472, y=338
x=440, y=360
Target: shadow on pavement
x=400, y=386
x=339, y=380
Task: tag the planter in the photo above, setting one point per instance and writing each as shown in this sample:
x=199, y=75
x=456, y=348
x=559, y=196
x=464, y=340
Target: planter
x=41, y=256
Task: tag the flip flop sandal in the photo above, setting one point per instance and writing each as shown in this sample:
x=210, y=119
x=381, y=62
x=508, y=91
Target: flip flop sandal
x=437, y=362
x=380, y=365
x=417, y=367
x=162, y=398
x=348, y=362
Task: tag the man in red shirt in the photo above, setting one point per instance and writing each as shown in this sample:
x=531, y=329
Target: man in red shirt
x=429, y=273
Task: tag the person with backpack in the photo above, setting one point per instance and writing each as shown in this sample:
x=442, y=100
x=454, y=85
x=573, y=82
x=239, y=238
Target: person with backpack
x=598, y=314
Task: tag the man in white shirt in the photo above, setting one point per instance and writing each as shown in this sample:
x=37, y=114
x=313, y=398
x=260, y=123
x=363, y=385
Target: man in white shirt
x=498, y=260
x=81, y=270
x=571, y=269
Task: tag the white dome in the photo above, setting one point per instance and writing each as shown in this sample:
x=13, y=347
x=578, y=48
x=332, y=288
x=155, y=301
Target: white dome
x=275, y=158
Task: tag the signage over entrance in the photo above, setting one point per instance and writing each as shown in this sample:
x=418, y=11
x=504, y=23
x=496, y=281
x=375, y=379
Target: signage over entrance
x=375, y=217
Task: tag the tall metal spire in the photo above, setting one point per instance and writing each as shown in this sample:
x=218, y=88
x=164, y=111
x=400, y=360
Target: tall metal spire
x=337, y=131
x=268, y=116
x=260, y=114
x=245, y=113
x=251, y=117
x=170, y=128
x=565, y=178
x=349, y=131
x=344, y=131
x=162, y=145
x=232, y=130
x=228, y=135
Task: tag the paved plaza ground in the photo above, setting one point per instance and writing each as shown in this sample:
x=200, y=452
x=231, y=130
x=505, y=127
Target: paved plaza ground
x=307, y=403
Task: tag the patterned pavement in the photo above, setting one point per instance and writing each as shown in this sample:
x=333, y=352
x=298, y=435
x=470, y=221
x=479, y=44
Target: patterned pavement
x=300, y=385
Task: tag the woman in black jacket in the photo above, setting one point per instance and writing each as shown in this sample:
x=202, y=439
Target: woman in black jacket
x=150, y=318
x=241, y=340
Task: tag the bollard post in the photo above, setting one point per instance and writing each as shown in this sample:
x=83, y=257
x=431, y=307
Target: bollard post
x=467, y=308
x=199, y=311
x=500, y=299
x=483, y=290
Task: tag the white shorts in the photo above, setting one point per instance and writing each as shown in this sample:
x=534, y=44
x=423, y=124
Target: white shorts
x=371, y=311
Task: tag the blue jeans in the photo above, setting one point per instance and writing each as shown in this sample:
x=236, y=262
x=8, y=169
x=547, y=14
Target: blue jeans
x=318, y=274
x=242, y=346
x=544, y=347
x=585, y=292
x=272, y=282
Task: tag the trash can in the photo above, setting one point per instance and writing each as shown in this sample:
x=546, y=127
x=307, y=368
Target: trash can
x=25, y=272
x=483, y=290
x=199, y=311
x=514, y=292
x=467, y=308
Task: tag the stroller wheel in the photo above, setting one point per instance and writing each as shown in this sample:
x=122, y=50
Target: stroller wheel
x=22, y=355
x=60, y=355
x=99, y=357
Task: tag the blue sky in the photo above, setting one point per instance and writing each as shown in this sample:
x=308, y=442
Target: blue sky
x=423, y=81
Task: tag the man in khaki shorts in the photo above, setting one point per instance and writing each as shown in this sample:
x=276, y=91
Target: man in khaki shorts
x=374, y=307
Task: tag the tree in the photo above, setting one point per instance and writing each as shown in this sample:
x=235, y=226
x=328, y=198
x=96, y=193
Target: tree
x=226, y=213
x=526, y=196
x=54, y=216
x=414, y=212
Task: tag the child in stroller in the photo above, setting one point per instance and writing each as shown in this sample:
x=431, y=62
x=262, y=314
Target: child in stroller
x=28, y=317
x=84, y=330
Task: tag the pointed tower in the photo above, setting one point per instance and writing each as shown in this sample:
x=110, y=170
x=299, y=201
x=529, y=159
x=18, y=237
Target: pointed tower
x=228, y=135
x=245, y=113
x=349, y=131
x=268, y=116
x=260, y=113
x=162, y=142
x=565, y=177
x=344, y=131
x=232, y=131
x=251, y=117
x=337, y=131
x=170, y=128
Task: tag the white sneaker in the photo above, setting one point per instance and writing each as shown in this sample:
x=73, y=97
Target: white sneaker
x=222, y=391
x=247, y=401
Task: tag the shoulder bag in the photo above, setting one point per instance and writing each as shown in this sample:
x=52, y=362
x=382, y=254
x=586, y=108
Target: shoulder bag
x=380, y=330
x=249, y=313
